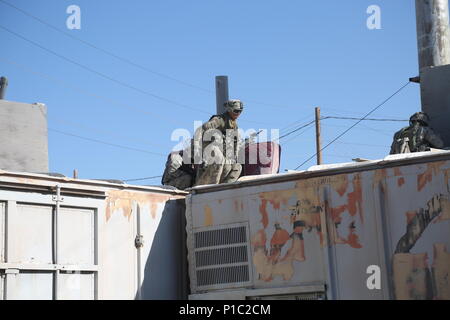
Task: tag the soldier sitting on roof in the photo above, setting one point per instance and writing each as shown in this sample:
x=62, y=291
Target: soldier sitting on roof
x=217, y=145
x=417, y=137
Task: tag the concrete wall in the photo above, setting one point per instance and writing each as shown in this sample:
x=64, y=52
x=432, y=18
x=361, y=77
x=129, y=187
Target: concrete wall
x=23, y=137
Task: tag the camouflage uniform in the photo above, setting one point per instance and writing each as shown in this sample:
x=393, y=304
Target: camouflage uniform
x=176, y=173
x=218, y=166
x=417, y=137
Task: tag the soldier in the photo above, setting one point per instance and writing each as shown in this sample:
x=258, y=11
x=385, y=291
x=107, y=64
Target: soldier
x=177, y=173
x=416, y=137
x=219, y=142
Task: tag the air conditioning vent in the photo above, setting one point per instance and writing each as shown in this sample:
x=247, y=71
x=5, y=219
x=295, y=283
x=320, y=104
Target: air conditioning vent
x=298, y=296
x=221, y=256
x=222, y=275
x=220, y=237
x=218, y=256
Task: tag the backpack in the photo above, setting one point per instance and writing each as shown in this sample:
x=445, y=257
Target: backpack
x=401, y=143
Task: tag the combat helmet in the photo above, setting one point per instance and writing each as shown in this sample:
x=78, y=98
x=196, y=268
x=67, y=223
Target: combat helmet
x=234, y=106
x=421, y=117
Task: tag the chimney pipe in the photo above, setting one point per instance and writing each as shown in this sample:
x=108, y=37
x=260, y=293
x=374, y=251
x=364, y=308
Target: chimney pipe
x=433, y=33
x=3, y=86
x=221, y=93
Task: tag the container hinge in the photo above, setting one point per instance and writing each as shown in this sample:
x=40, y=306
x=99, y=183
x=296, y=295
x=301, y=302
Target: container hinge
x=57, y=199
x=139, y=241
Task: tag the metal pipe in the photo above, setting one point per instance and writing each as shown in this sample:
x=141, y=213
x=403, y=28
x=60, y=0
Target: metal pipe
x=318, y=138
x=3, y=86
x=221, y=93
x=433, y=33
x=57, y=199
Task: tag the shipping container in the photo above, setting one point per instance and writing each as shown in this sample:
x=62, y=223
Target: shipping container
x=369, y=230
x=63, y=238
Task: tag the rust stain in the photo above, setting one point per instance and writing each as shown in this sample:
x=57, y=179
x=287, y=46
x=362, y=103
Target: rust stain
x=445, y=208
x=410, y=215
x=379, y=176
x=305, y=217
x=264, y=214
x=26, y=180
x=424, y=178
x=400, y=181
x=276, y=198
x=123, y=200
x=297, y=250
x=397, y=172
x=259, y=239
x=337, y=212
x=154, y=207
x=236, y=205
x=242, y=205
x=208, y=216
x=412, y=276
x=353, y=206
x=279, y=239
x=441, y=271
x=353, y=239
x=341, y=188
x=268, y=270
x=355, y=198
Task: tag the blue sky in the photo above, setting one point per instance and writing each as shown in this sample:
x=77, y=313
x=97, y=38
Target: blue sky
x=283, y=58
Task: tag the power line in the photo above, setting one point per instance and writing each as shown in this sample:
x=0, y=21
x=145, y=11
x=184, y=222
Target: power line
x=125, y=60
x=361, y=144
x=366, y=119
x=67, y=85
x=107, y=132
x=297, y=135
x=293, y=124
x=106, y=143
x=295, y=130
x=103, y=50
x=102, y=74
x=140, y=179
x=385, y=132
x=368, y=114
x=338, y=112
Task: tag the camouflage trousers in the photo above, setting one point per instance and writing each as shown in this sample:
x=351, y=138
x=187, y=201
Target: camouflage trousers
x=223, y=170
x=180, y=180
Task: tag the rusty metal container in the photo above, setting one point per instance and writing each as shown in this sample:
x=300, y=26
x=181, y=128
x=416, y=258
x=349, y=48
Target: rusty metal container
x=64, y=238
x=371, y=230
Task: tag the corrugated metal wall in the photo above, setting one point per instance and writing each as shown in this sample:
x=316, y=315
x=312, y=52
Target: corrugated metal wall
x=94, y=242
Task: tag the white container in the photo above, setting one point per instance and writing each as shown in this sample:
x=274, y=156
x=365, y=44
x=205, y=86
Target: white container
x=371, y=230
x=86, y=243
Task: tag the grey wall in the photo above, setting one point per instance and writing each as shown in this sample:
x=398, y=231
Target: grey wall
x=23, y=137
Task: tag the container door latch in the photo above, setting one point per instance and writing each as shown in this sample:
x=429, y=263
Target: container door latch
x=139, y=241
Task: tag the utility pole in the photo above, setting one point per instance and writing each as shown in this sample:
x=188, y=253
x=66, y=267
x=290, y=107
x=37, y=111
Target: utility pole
x=3, y=86
x=318, y=138
x=221, y=93
x=433, y=33
x=433, y=45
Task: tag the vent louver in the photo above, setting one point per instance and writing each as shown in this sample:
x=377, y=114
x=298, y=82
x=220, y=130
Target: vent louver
x=222, y=257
